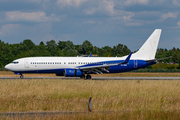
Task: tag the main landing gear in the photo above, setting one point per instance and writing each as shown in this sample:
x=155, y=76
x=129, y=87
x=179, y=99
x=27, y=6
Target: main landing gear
x=86, y=77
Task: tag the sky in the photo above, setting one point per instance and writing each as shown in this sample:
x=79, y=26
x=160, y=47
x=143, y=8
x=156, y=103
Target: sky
x=102, y=22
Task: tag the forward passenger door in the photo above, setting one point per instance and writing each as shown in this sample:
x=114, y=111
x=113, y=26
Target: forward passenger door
x=26, y=63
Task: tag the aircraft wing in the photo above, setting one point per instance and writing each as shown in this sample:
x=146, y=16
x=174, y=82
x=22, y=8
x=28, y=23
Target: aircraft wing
x=104, y=67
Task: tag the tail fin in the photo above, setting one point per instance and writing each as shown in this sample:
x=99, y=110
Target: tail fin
x=149, y=48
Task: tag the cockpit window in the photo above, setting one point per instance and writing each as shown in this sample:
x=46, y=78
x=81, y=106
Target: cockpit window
x=15, y=62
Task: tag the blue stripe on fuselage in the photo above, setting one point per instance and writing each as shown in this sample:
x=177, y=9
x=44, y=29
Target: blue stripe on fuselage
x=128, y=67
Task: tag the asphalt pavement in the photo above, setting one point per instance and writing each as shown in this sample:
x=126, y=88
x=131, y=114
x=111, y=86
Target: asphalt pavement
x=95, y=78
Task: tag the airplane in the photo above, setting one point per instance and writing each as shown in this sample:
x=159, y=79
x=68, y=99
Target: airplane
x=83, y=67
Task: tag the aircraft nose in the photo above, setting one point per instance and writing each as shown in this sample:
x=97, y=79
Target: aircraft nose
x=7, y=67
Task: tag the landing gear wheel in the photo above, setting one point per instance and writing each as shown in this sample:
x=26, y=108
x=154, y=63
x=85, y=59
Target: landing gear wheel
x=21, y=76
x=88, y=77
x=83, y=77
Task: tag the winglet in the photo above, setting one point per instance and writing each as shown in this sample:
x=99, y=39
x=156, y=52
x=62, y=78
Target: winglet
x=127, y=59
x=90, y=55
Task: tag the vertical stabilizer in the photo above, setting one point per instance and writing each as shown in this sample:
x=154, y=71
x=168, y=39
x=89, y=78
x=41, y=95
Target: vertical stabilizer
x=149, y=48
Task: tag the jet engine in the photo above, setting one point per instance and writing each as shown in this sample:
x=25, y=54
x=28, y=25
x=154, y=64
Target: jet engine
x=73, y=73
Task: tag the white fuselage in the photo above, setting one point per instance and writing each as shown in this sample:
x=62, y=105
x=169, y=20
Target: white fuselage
x=47, y=63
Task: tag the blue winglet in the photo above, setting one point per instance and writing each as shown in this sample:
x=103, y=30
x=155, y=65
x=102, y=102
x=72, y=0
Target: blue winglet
x=90, y=55
x=127, y=59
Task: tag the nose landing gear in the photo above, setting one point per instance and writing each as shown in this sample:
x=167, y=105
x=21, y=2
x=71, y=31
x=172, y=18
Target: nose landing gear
x=22, y=77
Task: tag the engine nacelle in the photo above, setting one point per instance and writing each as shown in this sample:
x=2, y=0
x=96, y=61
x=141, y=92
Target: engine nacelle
x=78, y=73
x=73, y=73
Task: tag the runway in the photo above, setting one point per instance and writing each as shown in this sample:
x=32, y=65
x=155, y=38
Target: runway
x=95, y=78
x=51, y=113
x=21, y=114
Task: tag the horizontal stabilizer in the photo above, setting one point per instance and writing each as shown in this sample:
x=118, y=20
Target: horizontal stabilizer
x=155, y=60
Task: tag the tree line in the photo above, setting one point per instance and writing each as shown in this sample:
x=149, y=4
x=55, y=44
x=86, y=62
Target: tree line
x=10, y=52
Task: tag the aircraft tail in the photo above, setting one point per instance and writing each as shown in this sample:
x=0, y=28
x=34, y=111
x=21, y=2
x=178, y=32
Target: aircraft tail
x=149, y=48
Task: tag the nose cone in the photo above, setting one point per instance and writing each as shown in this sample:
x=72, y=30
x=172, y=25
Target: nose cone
x=7, y=67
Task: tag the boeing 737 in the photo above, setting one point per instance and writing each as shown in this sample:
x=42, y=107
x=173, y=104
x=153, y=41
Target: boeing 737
x=85, y=66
